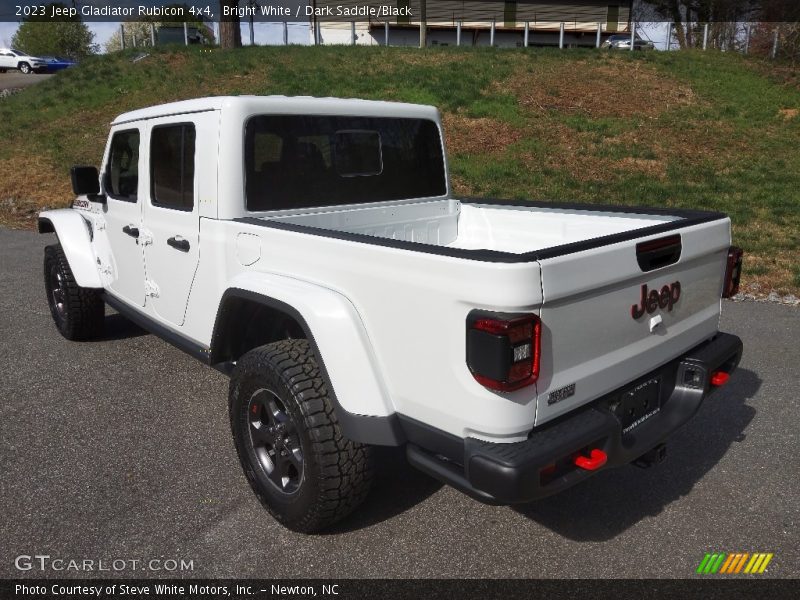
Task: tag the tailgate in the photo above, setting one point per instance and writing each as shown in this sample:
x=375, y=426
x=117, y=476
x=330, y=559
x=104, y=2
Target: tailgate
x=591, y=338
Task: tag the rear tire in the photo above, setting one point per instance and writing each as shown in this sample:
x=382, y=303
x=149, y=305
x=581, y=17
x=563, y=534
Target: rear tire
x=78, y=313
x=290, y=445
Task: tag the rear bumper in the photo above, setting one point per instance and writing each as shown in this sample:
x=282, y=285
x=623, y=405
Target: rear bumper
x=543, y=464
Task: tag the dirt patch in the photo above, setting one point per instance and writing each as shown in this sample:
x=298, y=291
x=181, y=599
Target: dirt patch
x=612, y=88
x=478, y=136
x=30, y=184
x=173, y=60
x=788, y=113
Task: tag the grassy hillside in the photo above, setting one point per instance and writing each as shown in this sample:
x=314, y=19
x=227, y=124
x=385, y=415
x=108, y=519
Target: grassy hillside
x=702, y=130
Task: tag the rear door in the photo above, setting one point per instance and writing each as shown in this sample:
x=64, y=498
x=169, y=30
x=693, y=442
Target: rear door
x=610, y=317
x=178, y=147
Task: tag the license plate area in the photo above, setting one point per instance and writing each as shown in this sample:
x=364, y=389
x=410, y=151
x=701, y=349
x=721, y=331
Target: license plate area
x=638, y=404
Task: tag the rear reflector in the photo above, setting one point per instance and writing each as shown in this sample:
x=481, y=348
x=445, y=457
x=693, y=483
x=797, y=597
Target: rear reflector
x=733, y=272
x=719, y=378
x=596, y=459
x=503, y=349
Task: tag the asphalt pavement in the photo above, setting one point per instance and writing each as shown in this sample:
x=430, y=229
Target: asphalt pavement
x=119, y=449
x=15, y=79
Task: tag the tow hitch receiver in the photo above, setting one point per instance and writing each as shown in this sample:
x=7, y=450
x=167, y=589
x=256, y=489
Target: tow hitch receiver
x=653, y=457
x=596, y=459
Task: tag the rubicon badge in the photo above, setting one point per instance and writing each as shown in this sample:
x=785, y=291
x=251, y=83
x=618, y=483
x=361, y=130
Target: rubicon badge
x=653, y=299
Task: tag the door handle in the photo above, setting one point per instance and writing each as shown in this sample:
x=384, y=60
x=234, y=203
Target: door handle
x=131, y=231
x=179, y=244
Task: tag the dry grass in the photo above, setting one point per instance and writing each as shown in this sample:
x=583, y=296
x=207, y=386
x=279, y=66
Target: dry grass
x=30, y=184
x=614, y=88
x=482, y=135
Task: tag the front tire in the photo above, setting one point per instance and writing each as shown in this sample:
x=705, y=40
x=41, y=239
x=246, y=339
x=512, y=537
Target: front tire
x=290, y=445
x=25, y=68
x=78, y=313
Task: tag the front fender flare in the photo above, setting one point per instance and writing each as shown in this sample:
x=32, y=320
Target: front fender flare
x=343, y=350
x=73, y=235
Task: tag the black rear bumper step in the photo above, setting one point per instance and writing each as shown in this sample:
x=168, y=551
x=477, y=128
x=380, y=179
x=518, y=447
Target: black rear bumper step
x=500, y=473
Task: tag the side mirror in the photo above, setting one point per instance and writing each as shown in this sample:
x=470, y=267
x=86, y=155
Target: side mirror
x=85, y=181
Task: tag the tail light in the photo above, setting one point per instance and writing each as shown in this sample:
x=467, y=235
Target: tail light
x=733, y=272
x=503, y=349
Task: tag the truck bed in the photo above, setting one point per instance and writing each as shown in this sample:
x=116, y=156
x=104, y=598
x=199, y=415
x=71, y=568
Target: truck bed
x=484, y=225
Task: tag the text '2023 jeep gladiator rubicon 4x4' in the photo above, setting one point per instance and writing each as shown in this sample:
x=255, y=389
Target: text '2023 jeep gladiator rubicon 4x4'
x=313, y=250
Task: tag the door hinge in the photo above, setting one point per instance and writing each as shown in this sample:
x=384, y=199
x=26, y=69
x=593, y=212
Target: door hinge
x=150, y=288
x=145, y=237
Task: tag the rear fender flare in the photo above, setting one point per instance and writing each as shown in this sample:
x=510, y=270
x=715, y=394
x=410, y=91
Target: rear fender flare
x=343, y=350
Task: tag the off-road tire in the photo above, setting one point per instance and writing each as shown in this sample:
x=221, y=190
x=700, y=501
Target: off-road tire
x=80, y=314
x=336, y=472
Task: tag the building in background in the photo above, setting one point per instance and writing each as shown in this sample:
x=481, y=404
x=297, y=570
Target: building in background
x=581, y=20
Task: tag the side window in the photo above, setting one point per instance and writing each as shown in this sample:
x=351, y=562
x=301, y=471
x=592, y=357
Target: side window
x=122, y=172
x=172, y=166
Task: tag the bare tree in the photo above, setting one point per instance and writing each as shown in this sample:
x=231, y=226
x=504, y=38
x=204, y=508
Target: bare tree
x=691, y=16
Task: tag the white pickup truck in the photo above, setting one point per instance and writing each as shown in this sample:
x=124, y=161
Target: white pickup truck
x=313, y=250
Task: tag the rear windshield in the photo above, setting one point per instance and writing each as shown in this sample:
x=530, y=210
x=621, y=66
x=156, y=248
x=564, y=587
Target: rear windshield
x=294, y=161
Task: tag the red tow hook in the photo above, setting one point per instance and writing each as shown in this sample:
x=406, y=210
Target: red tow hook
x=719, y=378
x=596, y=459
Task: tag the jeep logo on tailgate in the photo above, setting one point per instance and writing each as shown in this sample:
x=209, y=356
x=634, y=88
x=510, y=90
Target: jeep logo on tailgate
x=654, y=299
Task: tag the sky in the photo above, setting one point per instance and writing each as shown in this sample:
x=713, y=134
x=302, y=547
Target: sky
x=271, y=33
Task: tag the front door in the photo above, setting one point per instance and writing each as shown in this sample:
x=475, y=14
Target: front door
x=171, y=212
x=123, y=214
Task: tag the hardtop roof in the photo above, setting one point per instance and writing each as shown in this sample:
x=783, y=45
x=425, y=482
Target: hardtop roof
x=282, y=105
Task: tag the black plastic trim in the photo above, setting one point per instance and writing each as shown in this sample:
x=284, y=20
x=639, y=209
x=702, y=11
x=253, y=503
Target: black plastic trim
x=191, y=347
x=433, y=440
x=382, y=431
x=686, y=218
x=45, y=225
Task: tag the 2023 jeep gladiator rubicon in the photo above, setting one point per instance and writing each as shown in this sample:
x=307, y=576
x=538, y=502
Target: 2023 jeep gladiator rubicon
x=313, y=250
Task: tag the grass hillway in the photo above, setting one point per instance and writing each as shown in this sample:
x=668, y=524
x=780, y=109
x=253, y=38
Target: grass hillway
x=708, y=130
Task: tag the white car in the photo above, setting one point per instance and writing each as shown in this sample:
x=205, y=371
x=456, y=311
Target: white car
x=313, y=250
x=14, y=59
x=623, y=42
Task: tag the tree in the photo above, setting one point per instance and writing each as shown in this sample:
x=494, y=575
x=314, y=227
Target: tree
x=230, y=35
x=39, y=36
x=690, y=17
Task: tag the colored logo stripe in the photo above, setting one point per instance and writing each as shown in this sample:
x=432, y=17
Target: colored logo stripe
x=734, y=562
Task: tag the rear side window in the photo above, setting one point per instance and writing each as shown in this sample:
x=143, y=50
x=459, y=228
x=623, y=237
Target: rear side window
x=295, y=161
x=122, y=173
x=172, y=166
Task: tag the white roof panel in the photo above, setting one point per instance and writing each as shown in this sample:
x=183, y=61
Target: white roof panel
x=249, y=105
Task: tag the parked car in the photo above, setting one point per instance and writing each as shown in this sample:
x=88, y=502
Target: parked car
x=313, y=250
x=55, y=63
x=15, y=59
x=623, y=42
